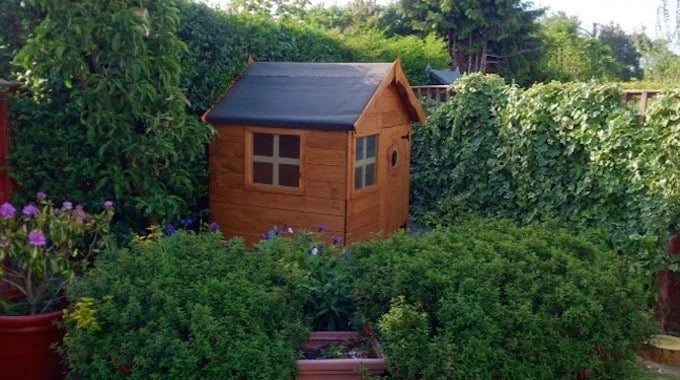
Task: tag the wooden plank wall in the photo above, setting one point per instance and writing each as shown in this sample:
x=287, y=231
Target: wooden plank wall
x=248, y=211
x=5, y=183
x=366, y=209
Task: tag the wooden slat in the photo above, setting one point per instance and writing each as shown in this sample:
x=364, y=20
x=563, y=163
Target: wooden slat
x=329, y=157
x=325, y=189
x=325, y=173
x=220, y=164
x=255, y=218
x=364, y=202
x=230, y=133
x=221, y=181
x=227, y=148
x=364, y=218
x=283, y=201
x=325, y=140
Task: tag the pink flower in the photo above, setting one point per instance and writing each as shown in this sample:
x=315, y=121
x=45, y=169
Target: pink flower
x=31, y=211
x=36, y=238
x=108, y=205
x=7, y=211
x=41, y=196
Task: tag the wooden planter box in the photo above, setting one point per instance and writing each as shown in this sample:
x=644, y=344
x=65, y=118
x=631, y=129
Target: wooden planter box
x=338, y=369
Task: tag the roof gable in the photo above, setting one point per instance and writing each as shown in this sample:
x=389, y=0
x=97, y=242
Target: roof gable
x=330, y=96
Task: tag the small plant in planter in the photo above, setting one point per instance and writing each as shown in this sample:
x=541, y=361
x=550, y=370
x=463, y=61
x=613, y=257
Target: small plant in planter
x=42, y=249
x=328, y=353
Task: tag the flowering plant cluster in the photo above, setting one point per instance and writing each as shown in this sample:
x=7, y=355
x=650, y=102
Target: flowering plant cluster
x=43, y=248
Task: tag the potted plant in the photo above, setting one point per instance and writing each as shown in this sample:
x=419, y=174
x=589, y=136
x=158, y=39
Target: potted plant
x=340, y=355
x=42, y=249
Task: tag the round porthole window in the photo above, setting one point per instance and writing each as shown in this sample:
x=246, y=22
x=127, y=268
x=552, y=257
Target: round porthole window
x=393, y=160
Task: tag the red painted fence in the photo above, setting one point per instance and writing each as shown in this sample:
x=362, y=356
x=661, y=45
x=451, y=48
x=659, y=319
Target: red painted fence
x=5, y=183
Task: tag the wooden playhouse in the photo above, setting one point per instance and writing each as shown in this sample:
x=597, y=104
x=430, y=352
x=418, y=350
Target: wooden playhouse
x=305, y=144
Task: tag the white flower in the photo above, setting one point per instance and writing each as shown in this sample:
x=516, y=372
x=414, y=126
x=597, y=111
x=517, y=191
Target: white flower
x=315, y=251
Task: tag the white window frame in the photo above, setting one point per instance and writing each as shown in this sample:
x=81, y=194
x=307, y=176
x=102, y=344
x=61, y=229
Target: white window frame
x=275, y=159
x=365, y=161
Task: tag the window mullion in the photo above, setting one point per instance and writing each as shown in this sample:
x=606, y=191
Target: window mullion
x=363, y=164
x=275, y=161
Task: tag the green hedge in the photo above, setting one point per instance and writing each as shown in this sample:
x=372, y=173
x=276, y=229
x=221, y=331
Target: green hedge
x=188, y=306
x=569, y=153
x=487, y=299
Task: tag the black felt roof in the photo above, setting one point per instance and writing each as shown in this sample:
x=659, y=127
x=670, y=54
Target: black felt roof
x=328, y=96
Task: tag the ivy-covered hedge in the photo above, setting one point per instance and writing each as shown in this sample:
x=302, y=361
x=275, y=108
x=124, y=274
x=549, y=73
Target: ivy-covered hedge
x=186, y=307
x=570, y=153
x=487, y=299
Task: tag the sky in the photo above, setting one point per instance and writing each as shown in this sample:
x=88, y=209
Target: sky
x=632, y=15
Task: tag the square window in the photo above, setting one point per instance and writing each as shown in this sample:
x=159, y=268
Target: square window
x=263, y=144
x=365, y=163
x=289, y=146
x=289, y=175
x=263, y=173
x=370, y=146
x=276, y=159
x=360, y=148
x=369, y=179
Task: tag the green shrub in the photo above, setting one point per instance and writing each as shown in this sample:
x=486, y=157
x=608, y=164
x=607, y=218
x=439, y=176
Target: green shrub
x=186, y=306
x=107, y=118
x=500, y=301
x=568, y=153
x=324, y=268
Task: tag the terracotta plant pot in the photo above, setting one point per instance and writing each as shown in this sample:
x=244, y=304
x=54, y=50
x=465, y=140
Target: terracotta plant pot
x=25, y=347
x=338, y=369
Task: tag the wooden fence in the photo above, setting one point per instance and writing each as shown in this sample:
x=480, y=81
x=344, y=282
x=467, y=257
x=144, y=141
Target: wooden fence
x=442, y=93
x=438, y=93
x=641, y=96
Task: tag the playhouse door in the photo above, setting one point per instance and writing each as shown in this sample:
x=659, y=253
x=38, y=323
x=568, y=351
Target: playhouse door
x=395, y=158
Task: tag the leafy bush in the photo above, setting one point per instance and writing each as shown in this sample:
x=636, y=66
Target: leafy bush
x=186, y=306
x=488, y=299
x=43, y=248
x=563, y=152
x=105, y=84
x=324, y=268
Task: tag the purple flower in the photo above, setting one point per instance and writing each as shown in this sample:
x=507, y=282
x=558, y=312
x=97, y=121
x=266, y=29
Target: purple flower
x=272, y=234
x=30, y=211
x=264, y=235
x=7, y=211
x=67, y=206
x=186, y=223
x=36, y=238
x=346, y=256
x=337, y=239
x=79, y=215
x=108, y=205
x=41, y=196
x=170, y=229
x=322, y=227
x=214, y=226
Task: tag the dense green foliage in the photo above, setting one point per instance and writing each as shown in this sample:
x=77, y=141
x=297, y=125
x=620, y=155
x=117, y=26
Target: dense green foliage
x=105, y=93
x=568, y=55
x=219, y=45
x=569, y=153
x=189, y=307
x=490, y=300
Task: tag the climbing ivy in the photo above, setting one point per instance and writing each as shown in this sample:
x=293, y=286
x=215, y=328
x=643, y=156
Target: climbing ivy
x=565, y=153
